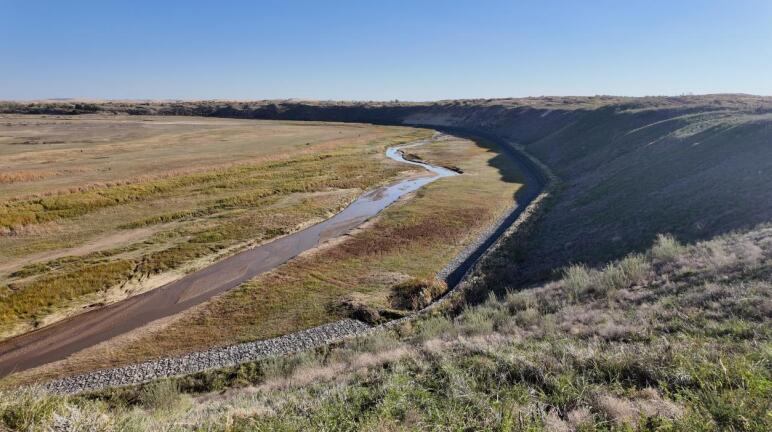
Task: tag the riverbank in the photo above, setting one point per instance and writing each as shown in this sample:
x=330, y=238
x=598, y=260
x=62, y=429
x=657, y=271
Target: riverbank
x=371, y=269
x=510, y=224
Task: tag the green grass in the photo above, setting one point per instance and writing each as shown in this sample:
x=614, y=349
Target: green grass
x=687, y=348
x=41, y=296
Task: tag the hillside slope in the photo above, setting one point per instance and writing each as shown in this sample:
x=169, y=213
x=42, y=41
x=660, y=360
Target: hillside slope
x=629, y=174
x=676, y=339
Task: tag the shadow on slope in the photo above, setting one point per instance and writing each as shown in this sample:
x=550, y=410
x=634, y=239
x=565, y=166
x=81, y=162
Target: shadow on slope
x=631, y=175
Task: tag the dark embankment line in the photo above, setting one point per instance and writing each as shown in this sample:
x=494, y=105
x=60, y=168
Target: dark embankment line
x=535, y=181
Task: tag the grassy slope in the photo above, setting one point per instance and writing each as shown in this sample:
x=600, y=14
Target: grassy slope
x=630, y=174
x=676, y=339
x=405, y=246
x=189, y=216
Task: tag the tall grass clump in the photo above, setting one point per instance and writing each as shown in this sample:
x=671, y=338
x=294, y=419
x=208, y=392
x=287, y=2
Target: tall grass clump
x=516, y=301
x=577, y=280
x=284, y=367
x=666, y=248
x=434, y=327
x=376, y=342
x=636, y=268
x=29, y=408
x=615, y=276
x=161, y=395
x=479, y=320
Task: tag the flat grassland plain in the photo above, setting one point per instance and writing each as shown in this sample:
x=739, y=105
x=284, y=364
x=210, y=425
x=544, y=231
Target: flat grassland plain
x=98, y=208
x=95, y=209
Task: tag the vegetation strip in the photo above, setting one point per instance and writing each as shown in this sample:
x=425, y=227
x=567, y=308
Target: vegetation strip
x=327, y=334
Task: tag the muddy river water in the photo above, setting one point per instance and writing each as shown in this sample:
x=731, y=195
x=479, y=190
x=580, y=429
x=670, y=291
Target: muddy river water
x=59, y=340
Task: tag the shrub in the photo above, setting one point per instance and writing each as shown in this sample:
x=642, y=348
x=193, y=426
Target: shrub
x=161, y=395
x=516, y=301
x=666, y=248
x=527, y=317
x=283, y=367
x=629, y=271
x=376, y=342
x=434, y=327
x=477, y=320
x=28, y=408
x=576, y=279
x=635, y=269
x=611, y=278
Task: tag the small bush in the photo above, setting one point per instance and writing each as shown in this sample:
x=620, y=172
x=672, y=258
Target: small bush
x=434, y=327
x=611, y=278
x=516, y=301
x=666, y=248
x=477, y=320
x=284, y=367
x=527, y=317
x=376, y=342
x=577, y=280
x=161, y=395
x=28, y=408
x=635, y=268
x=631, y=270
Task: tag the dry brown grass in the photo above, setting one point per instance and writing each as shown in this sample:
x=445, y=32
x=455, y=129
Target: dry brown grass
x=23, y=176
x=110, y=150
x=416, y=294
x=213, y=186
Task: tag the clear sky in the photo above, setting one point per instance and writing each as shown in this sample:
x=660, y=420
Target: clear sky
x=379, y=50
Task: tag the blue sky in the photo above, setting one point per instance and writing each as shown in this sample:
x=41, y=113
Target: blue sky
x=380, y=50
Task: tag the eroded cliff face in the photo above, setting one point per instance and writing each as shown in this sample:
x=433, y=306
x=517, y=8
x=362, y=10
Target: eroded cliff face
x=631, y=168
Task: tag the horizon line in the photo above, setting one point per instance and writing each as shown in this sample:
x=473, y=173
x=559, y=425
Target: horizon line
x=395, y=100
